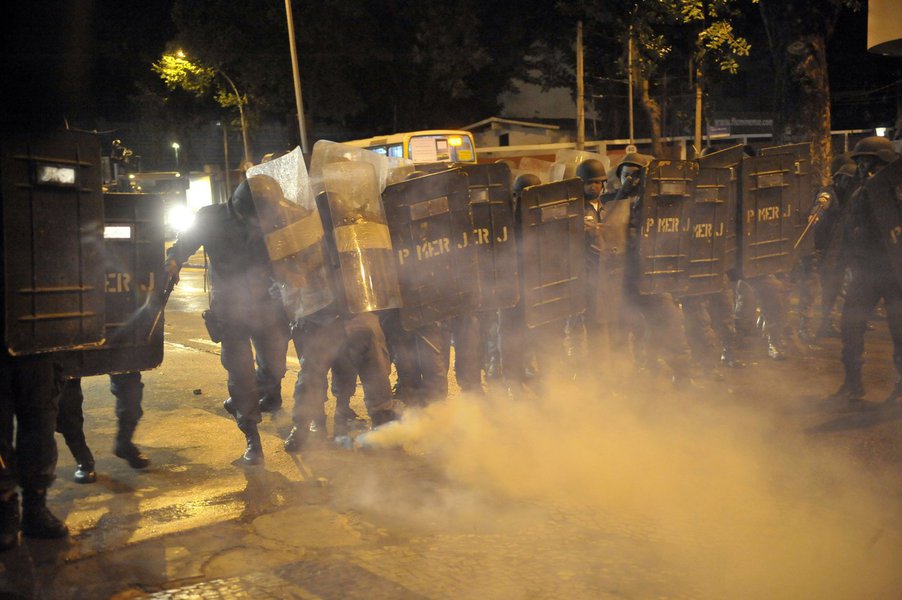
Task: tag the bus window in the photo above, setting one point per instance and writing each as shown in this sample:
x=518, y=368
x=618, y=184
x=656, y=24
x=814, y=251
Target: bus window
x=396, y=151
x=379, y=150
x=440, y=148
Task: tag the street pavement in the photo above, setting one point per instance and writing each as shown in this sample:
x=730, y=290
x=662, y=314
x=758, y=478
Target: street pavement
x=754, y=486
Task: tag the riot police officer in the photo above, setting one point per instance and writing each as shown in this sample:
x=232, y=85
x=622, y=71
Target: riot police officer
x=825, y=263
x=27, y=398
x=872, y=274
x=663, y=325
x=243, y=313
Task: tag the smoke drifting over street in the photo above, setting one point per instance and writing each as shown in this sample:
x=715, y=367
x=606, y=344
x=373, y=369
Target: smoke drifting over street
x=703, y=486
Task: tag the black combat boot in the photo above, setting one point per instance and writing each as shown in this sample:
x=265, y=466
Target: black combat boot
x=381, y=417
x=229, y=406
x=805, y=333
x=775, y=348
x=271, y=402
x=125, y=449
x=84, y=472
x=37, y=520
x=296, y=438
x=84, y=468
x=253, y=454
x=9, y=522
x=729, y=360
x=851, y=390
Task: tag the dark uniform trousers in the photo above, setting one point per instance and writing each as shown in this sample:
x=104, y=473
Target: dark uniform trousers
x=420, y=357
x=698, y=334
x=241, y=339
x=28, y=399
x=319, y=342
x=867, y=287
x=128, y=391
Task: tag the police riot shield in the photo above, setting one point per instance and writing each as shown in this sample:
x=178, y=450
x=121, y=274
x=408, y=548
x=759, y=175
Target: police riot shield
x=805, y=194
x=731, y=160
x=53, y=278
x=293, y=232
x=665, y=228
x=769, y=212
x=553, y=252
x=712, y=241
x=362, y=240
x=492, y=233
x=883, y=192
x=135, y=289
x=610, y=246
x=533, y=166
x=428, y=218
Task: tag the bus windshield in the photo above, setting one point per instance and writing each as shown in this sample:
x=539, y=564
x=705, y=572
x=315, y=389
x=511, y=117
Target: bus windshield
x=424, y=146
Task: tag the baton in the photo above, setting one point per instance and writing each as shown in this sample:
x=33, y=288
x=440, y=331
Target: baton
x=170, y=285
x=431, y=345
x=811, y=221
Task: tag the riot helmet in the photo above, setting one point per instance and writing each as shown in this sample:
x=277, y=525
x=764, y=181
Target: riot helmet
x=872, y=154
x=241, y=203
x=591, y=169
x=524, y=181
x=839, y=161
x=630, y=169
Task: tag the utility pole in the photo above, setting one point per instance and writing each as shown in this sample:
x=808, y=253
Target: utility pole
x=580, y=90
x=629, y=61
x=296, y=73
x=240, y=102
x=698, y=112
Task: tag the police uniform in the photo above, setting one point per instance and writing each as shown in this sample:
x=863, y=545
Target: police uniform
x=251, y=319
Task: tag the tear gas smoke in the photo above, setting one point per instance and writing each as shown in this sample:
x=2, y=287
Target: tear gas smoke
x=724, y=500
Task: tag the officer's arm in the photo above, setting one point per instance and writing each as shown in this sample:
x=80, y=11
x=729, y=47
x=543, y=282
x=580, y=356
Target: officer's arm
x=187, y=243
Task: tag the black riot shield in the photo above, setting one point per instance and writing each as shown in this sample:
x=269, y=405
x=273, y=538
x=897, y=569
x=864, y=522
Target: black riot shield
x=553, y=251
x=731, y=160
x=712, y=242
x=428, y=219
x=770, y=214
x=132, y=259
x=53, y=278
x=492, y=233
x=883, y=193
x=803, y=202
x=665, y=227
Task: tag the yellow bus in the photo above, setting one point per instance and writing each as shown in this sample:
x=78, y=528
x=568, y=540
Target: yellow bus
x=435, y=145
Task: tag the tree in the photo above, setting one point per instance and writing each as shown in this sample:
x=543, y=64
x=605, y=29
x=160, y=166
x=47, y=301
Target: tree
x=177, y=71
x=798, y=32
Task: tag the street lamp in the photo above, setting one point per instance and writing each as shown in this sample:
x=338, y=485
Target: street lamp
x=175, y=146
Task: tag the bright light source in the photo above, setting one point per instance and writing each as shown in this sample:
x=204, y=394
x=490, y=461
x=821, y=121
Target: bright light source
x=55, y=175
x=175, y=146
x=180, y=218
x=117, y=232
x=131, y=175
x=180, y=54
x=881, y=131
x=455, y=141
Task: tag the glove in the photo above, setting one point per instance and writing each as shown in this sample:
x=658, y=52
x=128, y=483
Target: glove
x=172, y=269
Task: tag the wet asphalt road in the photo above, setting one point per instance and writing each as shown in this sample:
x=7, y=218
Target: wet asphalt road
x=755, y=486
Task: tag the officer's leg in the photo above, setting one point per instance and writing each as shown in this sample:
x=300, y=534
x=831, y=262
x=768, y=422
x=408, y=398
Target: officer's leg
x=467, y=353
x=243, y=403
x=36, y=412
x=432, y=344
x=271, y=348
x=697, y=331
x=403, y=348
x=831, y=287
x=9, y=499
x=512, y=340
x=665, y=333
x=70, y=422
x=769, y=291
x=317, y=346
x=807, y=283
x=366, y=346
x=344, y=385
x=892, y=299
x=129, y=391
x=861, y=299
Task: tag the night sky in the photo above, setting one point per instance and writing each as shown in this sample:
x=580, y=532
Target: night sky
x=80, y=59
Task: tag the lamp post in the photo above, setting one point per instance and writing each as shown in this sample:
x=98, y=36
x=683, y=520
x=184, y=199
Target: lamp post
x=175, y=146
